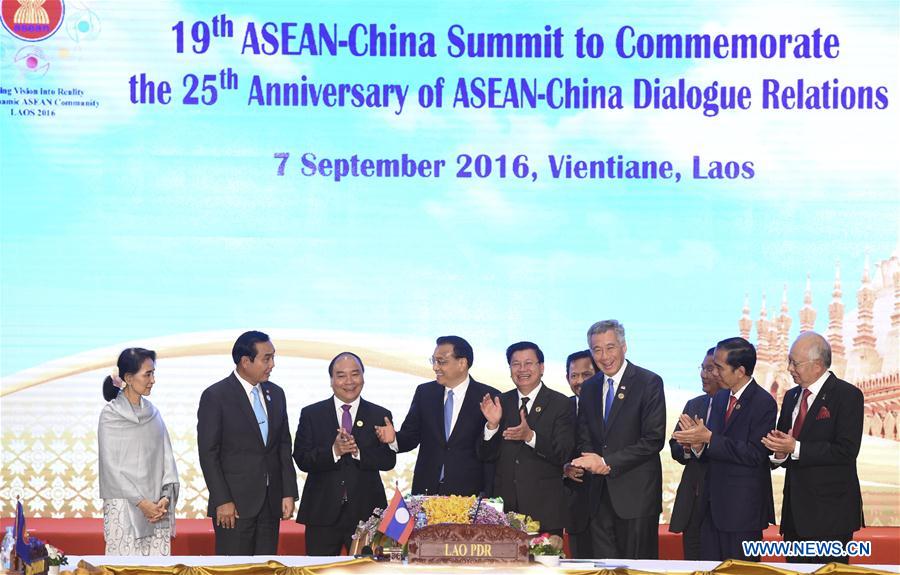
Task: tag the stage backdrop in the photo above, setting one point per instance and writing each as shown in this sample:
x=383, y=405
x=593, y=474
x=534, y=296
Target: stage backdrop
x=368, y=176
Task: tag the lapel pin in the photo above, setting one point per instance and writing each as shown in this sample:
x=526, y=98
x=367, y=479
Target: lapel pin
x=538, y=409
x=268, y=397
x=621, y=396
x=737, y=406
x=359, y=423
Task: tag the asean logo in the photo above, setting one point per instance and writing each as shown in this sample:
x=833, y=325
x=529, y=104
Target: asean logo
x=32, y=20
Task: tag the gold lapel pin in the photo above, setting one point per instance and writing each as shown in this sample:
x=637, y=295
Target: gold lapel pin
x=737, y=406
x=538, y=409
x=621, y=396
x=359, y=423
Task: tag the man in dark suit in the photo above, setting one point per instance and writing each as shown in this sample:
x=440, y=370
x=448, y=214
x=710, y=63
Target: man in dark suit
x=817, y=439
x=621, y=430
x=737, y=503
x=337, y=447
x=530, y=433
x=687, y=513
x=245, y=452
x=579, y=368
x=446, y=423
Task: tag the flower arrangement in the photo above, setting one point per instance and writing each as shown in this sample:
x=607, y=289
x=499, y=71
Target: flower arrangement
x=522, y=522
x=433, y=509
x=450, y=509
x=56, y=556
x=545, y=544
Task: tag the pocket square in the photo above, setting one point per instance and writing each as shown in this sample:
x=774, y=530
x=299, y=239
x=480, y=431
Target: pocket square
x=823, y=413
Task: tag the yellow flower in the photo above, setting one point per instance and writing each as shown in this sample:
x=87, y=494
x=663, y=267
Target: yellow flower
x=450, y=509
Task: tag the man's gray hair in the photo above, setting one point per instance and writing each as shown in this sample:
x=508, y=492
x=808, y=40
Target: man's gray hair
x=820, y=349
x=605, y=326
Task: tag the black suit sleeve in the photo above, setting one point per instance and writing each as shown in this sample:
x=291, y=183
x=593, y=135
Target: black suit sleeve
x=209, y=446
x=378, y=457
x=751, y=452
x=408, y=436
x=677, y=449
x=848, y=428
x=653, y=432
x=309, y=456
x=557, y=445
x=288, y=474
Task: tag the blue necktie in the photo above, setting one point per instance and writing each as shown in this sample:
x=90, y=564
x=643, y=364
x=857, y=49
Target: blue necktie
x=610, y=393
x=260, y=414
x=448, y=414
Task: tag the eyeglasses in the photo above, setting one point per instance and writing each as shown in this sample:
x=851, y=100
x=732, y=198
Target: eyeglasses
x=796, y=364
x=519, y=364
x=439, y=361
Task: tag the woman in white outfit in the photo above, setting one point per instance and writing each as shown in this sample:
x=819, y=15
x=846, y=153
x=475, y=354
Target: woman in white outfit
x=138, y=478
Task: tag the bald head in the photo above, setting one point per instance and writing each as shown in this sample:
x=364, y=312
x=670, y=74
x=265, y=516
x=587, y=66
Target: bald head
x=809, y=358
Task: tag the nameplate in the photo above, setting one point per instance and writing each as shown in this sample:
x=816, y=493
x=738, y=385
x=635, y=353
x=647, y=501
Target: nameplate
x=449, y=543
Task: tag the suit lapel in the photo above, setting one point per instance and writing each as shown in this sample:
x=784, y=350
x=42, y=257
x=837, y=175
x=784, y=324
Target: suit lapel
x=362, y=417
x=746, y=397
x=621, y=395
x=437, y=402
x=244, y=404
x=787, y=409
x=817, y=403
x=272, y=406
x=539, y=405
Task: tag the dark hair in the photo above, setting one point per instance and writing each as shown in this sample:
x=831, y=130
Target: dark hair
x=573, y=357
x=246, y=345
x=345, y=354
x=461, y=347
x=522, y=346
x=130, y=361
x=739, y=353
x=711, y=351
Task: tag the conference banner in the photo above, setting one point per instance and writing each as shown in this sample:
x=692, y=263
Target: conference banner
x=368, y=176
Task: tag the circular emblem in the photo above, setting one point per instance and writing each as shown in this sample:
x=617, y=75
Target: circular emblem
x=30, y=20
x=538, y=409
x=621, y=396
x=402, y=515
x=359, y=423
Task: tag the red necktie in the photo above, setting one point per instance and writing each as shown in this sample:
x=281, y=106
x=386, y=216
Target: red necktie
x=731, y=401
x=801, y=416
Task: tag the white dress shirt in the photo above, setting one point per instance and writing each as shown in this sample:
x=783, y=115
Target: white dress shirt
x=814, y=390
x=617, y=378
x=248, y=389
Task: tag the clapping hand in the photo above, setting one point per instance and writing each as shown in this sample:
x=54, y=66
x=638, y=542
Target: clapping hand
x=344, y=443
x=520, y=432
x=491, y=410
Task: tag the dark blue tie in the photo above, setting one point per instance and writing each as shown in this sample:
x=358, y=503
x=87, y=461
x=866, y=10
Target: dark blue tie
x=610, y=393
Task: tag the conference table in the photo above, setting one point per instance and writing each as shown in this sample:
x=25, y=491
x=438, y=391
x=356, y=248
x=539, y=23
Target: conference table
x=343, y=565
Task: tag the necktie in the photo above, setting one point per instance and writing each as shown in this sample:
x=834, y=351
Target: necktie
x=524, y=406
x=731, y=401
x=610, y=393
x=448, y=414
x=801, y=416
x=260, y=414
x=346, y=420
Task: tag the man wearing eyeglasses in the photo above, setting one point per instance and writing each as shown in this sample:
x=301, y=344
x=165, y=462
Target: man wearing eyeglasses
x=445, y=422
x=687, y=512
x=530, y=434
x=621, y=430
x=737, y=500
x=817, y=439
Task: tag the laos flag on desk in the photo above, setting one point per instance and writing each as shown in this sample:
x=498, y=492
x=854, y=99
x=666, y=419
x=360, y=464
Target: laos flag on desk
x=395, y=521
